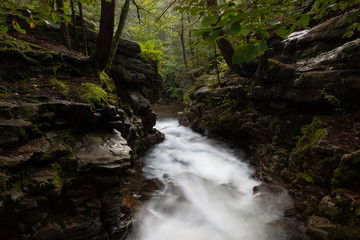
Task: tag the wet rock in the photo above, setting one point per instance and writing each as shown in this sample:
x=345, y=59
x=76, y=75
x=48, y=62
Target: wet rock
x=82, y=228
x=348, y=173
x=13, y=131
x=10, y=162
x=49, y=231
x=135, y=65
x=129, y=48
x=329, y=208
x=268, y=188
x=289, y=228
x=112, y=155
x=318, y=228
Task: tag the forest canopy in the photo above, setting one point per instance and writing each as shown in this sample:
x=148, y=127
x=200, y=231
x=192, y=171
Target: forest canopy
x=180, y=36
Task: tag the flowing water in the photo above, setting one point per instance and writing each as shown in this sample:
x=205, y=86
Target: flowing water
x=208, y=193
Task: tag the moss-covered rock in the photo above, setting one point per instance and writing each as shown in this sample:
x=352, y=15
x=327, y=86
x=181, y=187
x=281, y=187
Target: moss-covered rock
x=348, y=173
x=301, y=156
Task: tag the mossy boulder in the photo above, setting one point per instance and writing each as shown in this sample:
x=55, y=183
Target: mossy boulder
x=347, y=175
x=312, y=133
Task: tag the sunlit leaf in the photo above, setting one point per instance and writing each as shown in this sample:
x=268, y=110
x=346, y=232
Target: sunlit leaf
x=66, y=18
x=245, y=31
x=17, y=27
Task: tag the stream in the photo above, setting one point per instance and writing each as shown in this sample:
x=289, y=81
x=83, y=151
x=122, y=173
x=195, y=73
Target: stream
x=208, y=193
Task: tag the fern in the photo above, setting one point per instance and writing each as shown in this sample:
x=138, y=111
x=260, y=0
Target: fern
x=149, y=52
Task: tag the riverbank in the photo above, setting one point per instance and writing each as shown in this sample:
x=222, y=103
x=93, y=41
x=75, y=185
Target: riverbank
x=301, y=126
x=70, y=140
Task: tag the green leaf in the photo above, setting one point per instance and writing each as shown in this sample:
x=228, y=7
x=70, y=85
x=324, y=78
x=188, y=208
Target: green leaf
x=3, y=29
x=212, y=36
x=244, y=53
x=2, y=19
x=194, y=11
x=282, y=32
x=209, y=20
x=66, y=18
x=54, y=17
x=245, y=31
x=304, y=20
x=262, y=47
x=272, y=22
x=234, y=29
x=19, y=29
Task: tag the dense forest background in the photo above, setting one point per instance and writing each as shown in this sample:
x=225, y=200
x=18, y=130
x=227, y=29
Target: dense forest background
x=183, y=39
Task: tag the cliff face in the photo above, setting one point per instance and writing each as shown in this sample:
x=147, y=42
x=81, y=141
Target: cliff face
x=301, y=126
x=69, y=168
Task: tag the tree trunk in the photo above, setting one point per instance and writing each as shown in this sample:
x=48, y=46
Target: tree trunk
x=119, y=31
x=83, y=29
x=63, y=27
x=260, y=71
x=183, y=43
x=75, y=25
x=191, y=49
x=105, y=34
x=217, y=67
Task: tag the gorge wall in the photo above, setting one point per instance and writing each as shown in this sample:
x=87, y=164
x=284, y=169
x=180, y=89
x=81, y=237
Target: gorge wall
x=300, y=126
x=69, y=148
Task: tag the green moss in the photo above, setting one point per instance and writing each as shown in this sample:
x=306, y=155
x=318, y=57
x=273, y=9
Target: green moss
x=58, y=182
x=312, y=133
x=59, y=85
x=348, y=173
x=306, y=177
x=107, y=83
x=94, y=94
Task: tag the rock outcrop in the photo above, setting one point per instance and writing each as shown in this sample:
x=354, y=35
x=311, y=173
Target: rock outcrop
x=300, y=126
x=69, y=166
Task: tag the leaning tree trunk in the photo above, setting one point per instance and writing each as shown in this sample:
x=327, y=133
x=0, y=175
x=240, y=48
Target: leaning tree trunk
x=105, y=34
x=260, y=71
x=119, y=31
x=63, y=27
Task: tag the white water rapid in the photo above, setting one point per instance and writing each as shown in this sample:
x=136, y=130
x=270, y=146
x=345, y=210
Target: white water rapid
x=208, y=193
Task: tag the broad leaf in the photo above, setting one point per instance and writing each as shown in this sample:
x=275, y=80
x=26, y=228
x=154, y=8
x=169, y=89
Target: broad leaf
x=17, y=27
x=3, y=29
x=304, y=20
x=209, y=20
x=234, y=29
x=282, y=32
x=244, y=53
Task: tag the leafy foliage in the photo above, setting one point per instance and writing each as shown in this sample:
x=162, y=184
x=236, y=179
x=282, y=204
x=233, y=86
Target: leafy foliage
x=32, y=14
x=149, y=52
x=251, y=23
